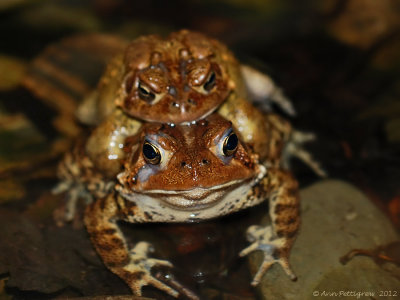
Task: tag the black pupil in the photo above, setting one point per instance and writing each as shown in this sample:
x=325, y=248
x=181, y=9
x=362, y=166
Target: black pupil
x=210, y=82
x=232, y=142
x=149, y=151
x=143, y=91
x=145, y=95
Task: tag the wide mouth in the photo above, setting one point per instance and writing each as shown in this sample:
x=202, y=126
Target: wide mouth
x=195, y=198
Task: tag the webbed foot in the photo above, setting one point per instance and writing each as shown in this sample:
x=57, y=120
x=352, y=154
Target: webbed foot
x=67, y=212
x=295, y=148
x=137, y=273
x=264, y=90
x=134, y=266
x=275, y=250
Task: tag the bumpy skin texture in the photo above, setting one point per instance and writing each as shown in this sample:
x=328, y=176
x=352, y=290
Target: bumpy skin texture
x=189, y=155
x=178, y=80
x=181, y=78
x=179, y=189
x=105, y=145
x=187, y=75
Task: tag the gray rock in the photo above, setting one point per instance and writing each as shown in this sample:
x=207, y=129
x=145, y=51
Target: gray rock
x=336, y=218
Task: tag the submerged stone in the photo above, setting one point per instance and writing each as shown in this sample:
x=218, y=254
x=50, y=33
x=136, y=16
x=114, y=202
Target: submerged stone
x=336, y=218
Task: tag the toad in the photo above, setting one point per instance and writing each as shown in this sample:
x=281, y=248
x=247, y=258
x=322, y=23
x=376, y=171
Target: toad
x=192, y=173
x=178, y=79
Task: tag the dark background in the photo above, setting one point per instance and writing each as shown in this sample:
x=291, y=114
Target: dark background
x=338, y=61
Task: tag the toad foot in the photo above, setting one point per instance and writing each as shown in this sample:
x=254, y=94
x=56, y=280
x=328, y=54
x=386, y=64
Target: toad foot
x=274, y=249
x=140, y=269
x=295, y=148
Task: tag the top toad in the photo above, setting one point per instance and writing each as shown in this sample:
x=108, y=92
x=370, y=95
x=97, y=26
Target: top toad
x=181, y=78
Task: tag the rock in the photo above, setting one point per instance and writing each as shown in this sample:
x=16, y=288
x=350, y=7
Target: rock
x=44, y=259
x=336, y=218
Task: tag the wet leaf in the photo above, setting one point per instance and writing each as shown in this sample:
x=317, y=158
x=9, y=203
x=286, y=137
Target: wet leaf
x=392, y=128
x=386, y=107
x=362, y=23
x=42, y=210
x=22, y=147
x=11, y=190
x=56, y=15
x=18, y=139
x=394, y=212
x=3, y=293
x=388, y=57
x=11, y=71
x=8, y=4
x=127, y=297
x=66, y=71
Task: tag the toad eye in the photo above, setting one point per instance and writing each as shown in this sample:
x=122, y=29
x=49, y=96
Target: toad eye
x=230, y=144
x=145, y=93
x=210, y=83
x=151, y=153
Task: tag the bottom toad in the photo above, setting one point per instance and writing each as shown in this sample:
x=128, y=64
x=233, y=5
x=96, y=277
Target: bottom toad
x=191, y=173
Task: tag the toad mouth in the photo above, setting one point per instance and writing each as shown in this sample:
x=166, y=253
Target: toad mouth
x=196, y=198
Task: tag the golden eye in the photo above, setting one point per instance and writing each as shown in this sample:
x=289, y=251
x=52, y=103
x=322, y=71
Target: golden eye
x=210, y=83
x=145, y=93
x=230, y=144
x=151, y=153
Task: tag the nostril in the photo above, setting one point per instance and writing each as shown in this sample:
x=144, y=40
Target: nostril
x=191, y=101
x=205, y=162
x=183, y=164
x=172, y=91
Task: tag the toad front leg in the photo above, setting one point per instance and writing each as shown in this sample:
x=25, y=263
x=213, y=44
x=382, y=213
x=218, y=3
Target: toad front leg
x=276, y=240
x=133, y=266
x=262, y=88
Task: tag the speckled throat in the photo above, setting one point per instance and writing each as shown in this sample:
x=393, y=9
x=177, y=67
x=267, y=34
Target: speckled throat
x=198, y=203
